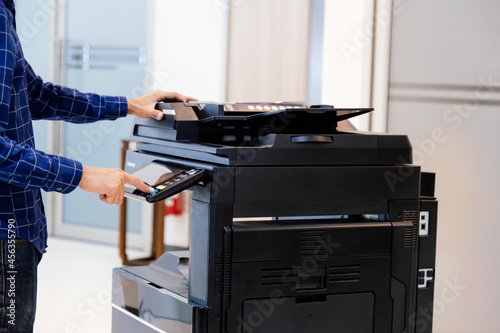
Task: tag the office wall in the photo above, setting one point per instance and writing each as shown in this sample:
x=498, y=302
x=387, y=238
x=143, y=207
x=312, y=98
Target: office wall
x=319, y=51
x=347, y=52
x=356, y=46
x=347, y=55
x=268, y=48
x=188, y=47
x=445, y=94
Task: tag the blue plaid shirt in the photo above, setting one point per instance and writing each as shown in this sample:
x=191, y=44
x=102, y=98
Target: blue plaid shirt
x=23, y=169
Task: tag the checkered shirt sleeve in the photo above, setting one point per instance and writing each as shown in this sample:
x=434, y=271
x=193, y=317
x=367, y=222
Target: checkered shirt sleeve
x=24, y=96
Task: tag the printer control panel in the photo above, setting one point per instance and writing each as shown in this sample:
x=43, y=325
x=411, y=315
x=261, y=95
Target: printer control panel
x=166, y=179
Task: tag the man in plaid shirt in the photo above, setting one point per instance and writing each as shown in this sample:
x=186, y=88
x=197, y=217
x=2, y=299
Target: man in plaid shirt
x=24, y=171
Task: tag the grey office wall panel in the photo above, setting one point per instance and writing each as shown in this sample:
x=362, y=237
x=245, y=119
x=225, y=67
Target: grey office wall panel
x=445, y=41
x=445, y=94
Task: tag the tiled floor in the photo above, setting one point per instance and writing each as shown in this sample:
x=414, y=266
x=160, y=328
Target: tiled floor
x=74, y=287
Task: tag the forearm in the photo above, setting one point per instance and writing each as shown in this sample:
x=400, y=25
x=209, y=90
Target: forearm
x=61, y=103
x=54, y=102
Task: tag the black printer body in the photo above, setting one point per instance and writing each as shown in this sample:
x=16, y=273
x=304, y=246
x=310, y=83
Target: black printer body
x=296, y=226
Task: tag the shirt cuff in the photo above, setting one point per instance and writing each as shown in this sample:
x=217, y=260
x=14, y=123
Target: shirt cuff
x=122, y=106
x=68, y=176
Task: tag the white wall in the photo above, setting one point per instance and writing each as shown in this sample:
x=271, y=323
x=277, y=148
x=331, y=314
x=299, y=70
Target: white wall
x=356, y=51
x=188, y=44
x=445, y=94
x=268, y=49
x=321, y=51
x=347, y=55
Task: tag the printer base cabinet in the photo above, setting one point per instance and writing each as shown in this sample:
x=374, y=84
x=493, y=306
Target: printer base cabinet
x=343, y=274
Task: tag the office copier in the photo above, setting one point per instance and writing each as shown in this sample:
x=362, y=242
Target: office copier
x=298, y=224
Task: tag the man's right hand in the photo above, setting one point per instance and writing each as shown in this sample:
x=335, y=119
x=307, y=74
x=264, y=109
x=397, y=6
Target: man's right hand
x=109, y=183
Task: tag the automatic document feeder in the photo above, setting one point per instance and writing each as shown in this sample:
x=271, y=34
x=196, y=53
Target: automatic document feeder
x=298, y=223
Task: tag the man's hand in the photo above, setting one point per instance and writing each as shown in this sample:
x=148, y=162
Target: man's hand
x=109, y=183
x=144, y=107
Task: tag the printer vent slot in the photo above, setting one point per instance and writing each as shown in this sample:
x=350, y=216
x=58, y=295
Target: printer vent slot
x=410, y=215
x=218, y=272
x=409, y=237
x=341, y=274
x=277, y=277
x=312, y=243
x=227, y=273
x=411, y=233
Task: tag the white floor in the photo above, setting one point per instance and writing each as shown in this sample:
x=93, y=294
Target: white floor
x=74, y=287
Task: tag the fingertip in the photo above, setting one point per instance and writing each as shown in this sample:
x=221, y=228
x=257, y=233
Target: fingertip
x=159, y=116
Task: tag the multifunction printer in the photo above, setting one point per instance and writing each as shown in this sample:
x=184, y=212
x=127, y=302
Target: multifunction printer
x=299, y=223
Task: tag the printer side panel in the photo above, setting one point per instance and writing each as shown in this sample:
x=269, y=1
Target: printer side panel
x=426, y=265
x=404, y=260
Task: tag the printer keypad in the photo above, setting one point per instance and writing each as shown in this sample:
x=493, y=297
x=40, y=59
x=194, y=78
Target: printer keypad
x=178, y=178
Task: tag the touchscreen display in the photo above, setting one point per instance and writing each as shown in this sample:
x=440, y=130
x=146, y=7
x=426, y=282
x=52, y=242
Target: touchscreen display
x=155, y=173
x=166, y=179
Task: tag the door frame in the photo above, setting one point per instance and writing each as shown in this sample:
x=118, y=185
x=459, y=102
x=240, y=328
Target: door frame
x=54, y=203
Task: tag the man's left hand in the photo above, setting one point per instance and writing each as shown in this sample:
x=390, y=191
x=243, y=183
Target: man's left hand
x=144, y=107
